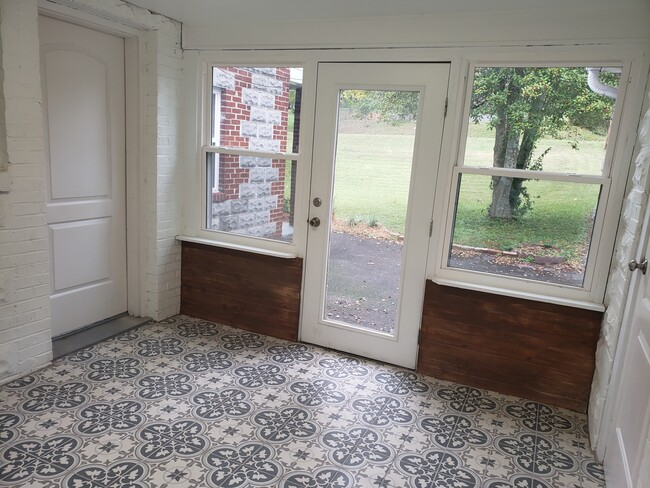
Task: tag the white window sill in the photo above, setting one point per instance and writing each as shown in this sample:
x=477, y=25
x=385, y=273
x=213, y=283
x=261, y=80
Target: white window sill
x=236, y=247
x=597, y=307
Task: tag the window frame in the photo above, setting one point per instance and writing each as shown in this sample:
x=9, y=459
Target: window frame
x=591, y=294
x=631, y=56
x=215, y=114
x=260, y=245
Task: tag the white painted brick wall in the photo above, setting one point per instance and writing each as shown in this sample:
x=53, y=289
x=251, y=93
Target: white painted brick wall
x=620, y=276
x=25, y=342
x=164, y=178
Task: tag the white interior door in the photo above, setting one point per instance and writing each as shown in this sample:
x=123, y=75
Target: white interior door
x=377, y=142
x=82, y=74
x=625, y=462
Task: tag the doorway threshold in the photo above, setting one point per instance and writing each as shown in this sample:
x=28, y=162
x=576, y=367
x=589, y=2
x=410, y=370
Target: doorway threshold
x=94, y=333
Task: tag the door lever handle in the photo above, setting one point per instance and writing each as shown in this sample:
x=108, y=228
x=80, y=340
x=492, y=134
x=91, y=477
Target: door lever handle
x=643, y=265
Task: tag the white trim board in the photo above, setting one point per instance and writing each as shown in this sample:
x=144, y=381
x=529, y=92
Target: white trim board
x=532, y=26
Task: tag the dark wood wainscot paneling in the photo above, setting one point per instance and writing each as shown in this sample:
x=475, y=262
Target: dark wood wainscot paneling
x=241, y=289
x=534, y=350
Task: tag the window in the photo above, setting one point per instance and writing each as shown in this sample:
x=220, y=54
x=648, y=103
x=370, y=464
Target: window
x=251, y=158
x=531, y=184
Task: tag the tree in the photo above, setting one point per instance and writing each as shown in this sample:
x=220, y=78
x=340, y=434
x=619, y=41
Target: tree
x=394, y=107
x=523, y=105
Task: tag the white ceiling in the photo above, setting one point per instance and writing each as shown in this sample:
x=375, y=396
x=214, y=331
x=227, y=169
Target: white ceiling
x=226, y=11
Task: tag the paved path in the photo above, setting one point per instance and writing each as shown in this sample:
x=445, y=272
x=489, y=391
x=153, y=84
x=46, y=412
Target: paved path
x=364, y=274
x=363, y=281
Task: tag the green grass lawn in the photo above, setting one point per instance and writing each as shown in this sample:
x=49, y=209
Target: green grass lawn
x=372, y=178
x=560, y=217
x=587, y=159
x=373, y=173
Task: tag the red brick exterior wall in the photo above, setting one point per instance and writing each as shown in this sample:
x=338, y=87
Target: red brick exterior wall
x=254, y=114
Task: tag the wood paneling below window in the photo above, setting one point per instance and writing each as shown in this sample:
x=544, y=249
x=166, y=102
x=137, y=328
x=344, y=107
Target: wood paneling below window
x=242, y=289
x=540, y=351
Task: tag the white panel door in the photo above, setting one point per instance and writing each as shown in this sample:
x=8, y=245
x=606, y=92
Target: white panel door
x=631, y=422
x=376, y=161
x=82, y=73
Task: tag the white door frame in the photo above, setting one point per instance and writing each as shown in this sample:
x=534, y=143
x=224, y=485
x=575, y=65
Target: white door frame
x=134, y=128
x=613, y=391
x=401, y=347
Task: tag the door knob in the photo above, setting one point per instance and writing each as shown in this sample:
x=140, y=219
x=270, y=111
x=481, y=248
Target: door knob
x=643, y=265
x=315, y=222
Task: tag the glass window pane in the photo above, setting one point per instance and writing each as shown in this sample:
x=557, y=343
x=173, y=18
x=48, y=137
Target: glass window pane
x=547, y=119
x=374, y=156
x=251, y=196
x=547, y=240
x=256, y=108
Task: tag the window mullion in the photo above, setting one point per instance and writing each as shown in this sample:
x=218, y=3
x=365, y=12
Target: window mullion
x=250, y=152
x=533, y=175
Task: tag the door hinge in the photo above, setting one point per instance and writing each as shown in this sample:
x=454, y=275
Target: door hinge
x=446, y=106
x=431, y=228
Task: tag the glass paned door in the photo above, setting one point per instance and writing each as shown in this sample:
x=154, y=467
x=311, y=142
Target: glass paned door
x=375, y=140
x=376, y=146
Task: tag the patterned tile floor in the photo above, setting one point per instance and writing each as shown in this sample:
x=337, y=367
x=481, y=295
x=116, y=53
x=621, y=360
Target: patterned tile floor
x=188, y=403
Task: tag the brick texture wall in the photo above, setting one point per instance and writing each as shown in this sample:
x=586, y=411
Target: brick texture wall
x=25, y=342
x=25, y=332
x=620, y=276
x=164, y=178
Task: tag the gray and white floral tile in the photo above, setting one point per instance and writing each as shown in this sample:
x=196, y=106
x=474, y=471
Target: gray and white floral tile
x=189, y=403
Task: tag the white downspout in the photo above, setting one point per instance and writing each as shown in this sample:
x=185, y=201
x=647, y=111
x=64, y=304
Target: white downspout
x=597, y=86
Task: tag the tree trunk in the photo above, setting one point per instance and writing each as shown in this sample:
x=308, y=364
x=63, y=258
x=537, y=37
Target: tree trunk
x=506, y=149
x=501, y=206
x=529, y=139
x=524, y=157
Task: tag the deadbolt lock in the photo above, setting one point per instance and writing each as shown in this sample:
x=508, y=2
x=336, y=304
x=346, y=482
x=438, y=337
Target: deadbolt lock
x=643, y=265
